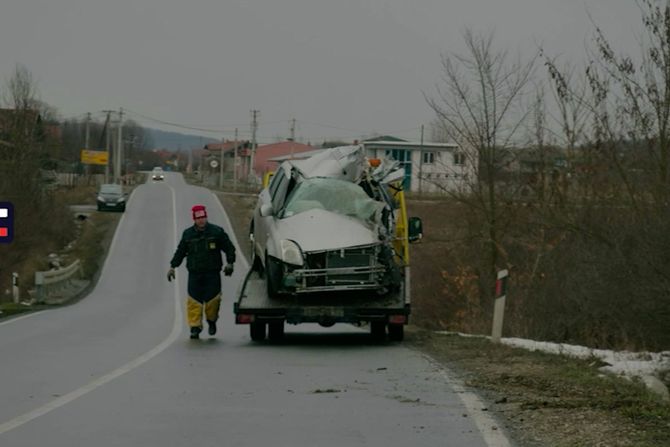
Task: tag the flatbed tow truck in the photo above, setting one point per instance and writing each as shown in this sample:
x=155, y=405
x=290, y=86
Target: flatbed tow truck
x=385, y=313
x=267, y=315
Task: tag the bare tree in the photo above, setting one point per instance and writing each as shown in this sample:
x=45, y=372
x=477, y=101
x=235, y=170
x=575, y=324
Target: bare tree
x=479, y=105
x=632, y=104
x=19, y=157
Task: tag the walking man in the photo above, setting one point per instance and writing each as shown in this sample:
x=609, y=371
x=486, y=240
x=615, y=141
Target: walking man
x=201, y=245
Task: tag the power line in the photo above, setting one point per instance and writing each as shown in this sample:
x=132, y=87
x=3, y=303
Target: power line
x=181, y=126
x=351, y=133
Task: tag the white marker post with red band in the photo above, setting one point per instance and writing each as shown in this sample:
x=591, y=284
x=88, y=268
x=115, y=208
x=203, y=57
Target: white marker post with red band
x=499, y=307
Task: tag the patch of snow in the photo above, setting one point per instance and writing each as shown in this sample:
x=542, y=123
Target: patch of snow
x=618, y=362
x=641, y=365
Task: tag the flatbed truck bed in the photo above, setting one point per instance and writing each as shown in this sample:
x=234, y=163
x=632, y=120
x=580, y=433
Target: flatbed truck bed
x=269, y=314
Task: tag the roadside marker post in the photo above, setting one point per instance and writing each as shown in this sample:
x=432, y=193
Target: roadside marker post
x=499, y=306
x=16, y=294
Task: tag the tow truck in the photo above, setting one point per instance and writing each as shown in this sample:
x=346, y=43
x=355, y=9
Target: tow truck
x=340, y=284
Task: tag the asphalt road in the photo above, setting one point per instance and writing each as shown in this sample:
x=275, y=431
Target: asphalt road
x=118, y=369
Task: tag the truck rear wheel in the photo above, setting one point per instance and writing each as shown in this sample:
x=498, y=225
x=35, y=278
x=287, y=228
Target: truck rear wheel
x=276, y=330
x=396, y=332
x=378, y=330
x=257, y=331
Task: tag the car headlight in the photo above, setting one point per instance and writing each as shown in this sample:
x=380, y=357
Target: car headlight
x=101, y=199
x=122, y=199
x=291, y=252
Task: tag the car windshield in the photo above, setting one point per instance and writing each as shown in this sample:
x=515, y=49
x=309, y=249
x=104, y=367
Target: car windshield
x=110, y=189
x=337, y=196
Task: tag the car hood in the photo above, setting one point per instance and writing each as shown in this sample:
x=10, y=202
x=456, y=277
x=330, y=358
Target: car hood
x=319, y=229
x=112, y=196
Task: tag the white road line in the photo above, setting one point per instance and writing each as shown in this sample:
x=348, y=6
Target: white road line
x=490, y=429
x=71, y=396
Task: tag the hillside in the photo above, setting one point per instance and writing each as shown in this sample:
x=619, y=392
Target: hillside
x=174, y=141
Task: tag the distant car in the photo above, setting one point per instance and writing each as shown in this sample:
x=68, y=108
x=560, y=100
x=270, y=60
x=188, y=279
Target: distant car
x=111, y=197
x=157, y=174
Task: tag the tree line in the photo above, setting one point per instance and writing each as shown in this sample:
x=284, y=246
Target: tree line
x=571, y=186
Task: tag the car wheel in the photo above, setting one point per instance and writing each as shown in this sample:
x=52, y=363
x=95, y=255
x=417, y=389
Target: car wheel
x=272, y=276
x=256, y=263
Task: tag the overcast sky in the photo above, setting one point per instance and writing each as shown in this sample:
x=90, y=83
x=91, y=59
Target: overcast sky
x=340, y=68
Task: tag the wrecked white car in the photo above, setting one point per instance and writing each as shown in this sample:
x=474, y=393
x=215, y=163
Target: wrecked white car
x=328, y=223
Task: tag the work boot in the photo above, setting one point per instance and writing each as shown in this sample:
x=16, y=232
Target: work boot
x=195, y=332
x=212, y=327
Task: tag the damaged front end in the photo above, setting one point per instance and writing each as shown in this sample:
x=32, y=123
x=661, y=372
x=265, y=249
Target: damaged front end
x=367, y=267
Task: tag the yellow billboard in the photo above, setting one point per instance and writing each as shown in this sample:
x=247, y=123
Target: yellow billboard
x=94, y=157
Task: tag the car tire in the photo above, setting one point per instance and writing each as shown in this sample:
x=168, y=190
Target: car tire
x=256, y=263
x=272, y=276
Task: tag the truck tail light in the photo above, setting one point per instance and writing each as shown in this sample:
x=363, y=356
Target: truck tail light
x=397, y=319
x=244, y=319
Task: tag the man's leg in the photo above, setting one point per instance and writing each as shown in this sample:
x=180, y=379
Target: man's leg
x=194, y=316
x=212, y=313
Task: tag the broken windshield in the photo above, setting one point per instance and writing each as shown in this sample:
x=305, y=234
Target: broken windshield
x=337, y=196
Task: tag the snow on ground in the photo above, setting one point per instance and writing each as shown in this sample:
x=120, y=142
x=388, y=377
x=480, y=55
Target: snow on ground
x=618, y=362
x=648, y=366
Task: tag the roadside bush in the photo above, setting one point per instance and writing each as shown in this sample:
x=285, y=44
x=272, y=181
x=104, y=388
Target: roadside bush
x=597, y=276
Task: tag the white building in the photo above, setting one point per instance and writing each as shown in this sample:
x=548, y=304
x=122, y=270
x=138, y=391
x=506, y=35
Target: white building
x=429, y=167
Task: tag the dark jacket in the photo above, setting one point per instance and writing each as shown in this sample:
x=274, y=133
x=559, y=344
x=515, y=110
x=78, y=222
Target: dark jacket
x=202, y=249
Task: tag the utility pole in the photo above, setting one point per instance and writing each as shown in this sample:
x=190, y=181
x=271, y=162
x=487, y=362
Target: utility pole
x=420, y=163
x=292, y=130
x=223, y=142
x=107, y=145
x=88, y=131
x=119, y=149
x=254, y=126
x=235, y=163
x=87, y=139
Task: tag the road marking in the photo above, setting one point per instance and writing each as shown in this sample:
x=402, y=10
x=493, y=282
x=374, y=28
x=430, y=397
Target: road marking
x=73, y=395
x=490, y=429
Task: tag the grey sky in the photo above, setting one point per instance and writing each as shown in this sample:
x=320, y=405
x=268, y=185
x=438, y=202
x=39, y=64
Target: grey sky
x=342, y=69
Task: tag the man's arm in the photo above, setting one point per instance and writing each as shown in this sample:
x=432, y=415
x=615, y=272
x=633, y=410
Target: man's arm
x=180, y=253
x=227, y=247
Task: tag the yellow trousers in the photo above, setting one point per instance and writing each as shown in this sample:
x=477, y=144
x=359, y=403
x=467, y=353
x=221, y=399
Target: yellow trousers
x=194, y=310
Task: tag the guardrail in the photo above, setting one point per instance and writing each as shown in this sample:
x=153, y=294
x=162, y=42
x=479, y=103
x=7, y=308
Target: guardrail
x=57, y=284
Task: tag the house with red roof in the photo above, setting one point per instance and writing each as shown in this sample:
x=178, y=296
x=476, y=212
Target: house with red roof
x=264, y=154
